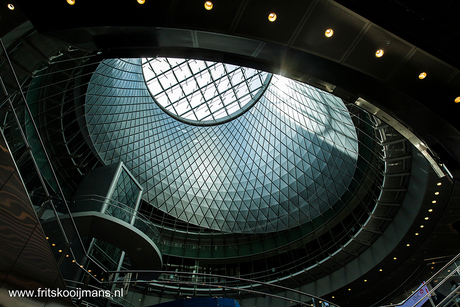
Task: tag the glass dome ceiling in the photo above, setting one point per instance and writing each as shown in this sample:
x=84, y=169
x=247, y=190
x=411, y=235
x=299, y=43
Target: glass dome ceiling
x=284, y=162
x=203, y=92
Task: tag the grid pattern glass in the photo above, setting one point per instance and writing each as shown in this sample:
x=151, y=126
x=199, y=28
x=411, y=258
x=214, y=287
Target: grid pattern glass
x=282, y=163
x=201, y=91
x=124, y=198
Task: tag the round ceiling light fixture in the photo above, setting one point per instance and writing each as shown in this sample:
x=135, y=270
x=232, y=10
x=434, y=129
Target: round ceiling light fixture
x=457, y=100
x=141, y=1
x=272, y=17
x=329, y=32
x=10, y=6
x=208, y=5
x=422, y=75
x=71, y=2
x=379, y=53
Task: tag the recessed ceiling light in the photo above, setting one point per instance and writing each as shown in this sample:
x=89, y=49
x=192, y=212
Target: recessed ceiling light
x=349, y=289
x=439, y=183
x=73, y=260
x=141, y=1
x=53, y=244
x=427, y=218
x=422, y=75
x=379, y=53
x=421, y=226
x=329, y=33
x=71, y=2
x=60, y=250
x=407, y=244
x=333, y=296
x=272, y=17
x=10, y=6
x=381, y=270
x=436, y=193
x=416, y=233
x=208, y=5
x=430, y=210
x=395, y=258
x=457, y=100
x=365, y=280
x=433, y=202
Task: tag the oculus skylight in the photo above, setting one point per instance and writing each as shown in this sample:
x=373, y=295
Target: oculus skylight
x=202, y=92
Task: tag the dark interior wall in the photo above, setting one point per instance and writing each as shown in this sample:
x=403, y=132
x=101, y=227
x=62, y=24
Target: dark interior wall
x=26, y=260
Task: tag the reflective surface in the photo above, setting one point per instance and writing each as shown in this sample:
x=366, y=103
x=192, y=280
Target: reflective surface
x=284, y=162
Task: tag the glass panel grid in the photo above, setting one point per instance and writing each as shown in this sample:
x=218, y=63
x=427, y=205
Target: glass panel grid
x=201, y=91
x=283, y=163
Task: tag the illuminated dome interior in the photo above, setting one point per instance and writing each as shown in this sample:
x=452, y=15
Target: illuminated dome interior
x=285, y=161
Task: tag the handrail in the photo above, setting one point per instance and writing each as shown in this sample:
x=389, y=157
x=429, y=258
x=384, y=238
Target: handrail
x=446, y=266
x=253, y=283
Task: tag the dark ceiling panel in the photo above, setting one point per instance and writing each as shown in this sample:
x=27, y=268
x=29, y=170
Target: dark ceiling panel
x=226, y=43
x=347, y=27
x=191, y=14
x=407, y=77
x=445, y=99
x=10, y=19
x=362, y=57
x=86, y=13
x=254, y=21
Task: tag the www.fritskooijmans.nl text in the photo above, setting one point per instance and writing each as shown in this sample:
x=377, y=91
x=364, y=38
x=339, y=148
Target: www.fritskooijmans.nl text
x=74, y=293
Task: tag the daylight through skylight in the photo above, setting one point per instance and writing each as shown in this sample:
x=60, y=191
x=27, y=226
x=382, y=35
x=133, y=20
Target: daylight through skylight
x=203, y=92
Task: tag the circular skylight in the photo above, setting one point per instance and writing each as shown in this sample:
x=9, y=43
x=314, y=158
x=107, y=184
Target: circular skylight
x=202, y=92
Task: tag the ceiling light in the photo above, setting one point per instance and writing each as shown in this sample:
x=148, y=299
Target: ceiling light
x=365, y=280
x=433, y=262
x=422, y=75
x=379, y=53
x=349, y=289
x=10, y=6
x=436, y=193
x=73, y=260
x=329, y=33
x=89, y=271
x=208, y=5
x=272, y=17
x=47, y=238
x=433, y=202
x=416, y=233
x=439, y=183
x=457, y=100
x=421, y=226
x=432, y=267
x=71, y=2
x=333, y=296
x=141, y=1
x=380, y=270
x=67, y=255
x=394, y=258
x=60, y=250
x=430, y=210
x=53, y=244
x=427, y=218
x=81, y=266
x=407, y=244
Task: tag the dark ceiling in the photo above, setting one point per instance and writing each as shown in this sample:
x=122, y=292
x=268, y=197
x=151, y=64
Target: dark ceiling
x=416, y=36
